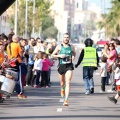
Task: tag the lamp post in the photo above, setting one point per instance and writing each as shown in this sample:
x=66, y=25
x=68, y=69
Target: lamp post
x=26, y=19
x=16, y=16
x=71, y=2
x=33, y=18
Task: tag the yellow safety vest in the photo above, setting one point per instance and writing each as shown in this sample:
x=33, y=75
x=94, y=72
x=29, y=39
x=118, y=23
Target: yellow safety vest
x=89, y=58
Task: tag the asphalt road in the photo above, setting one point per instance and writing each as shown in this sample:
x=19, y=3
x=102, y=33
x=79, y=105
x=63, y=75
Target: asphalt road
x=46, y=103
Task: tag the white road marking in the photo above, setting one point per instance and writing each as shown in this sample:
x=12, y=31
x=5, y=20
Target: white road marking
x=59, y=110
x=61, y=100
x=97, y=73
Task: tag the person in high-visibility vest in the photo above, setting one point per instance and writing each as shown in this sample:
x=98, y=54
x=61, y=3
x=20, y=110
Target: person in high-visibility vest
x=90, y=61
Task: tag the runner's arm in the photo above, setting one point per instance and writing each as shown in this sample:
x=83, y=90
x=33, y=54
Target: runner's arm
x=73, y=52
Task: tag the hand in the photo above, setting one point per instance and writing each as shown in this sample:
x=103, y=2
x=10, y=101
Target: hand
x=62, y=56
x=76, y=65
x=95, y=68
x=73, y=57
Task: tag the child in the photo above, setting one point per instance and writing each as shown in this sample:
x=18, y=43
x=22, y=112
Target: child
x=37, y=68
x=45, y=70
x=115, y=98
x=116, y=76
x=103, y=73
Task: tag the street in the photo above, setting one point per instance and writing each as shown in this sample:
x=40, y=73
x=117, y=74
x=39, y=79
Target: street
x=46, y=103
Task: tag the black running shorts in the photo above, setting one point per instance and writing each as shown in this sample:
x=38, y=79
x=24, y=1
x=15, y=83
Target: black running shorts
x=63, y=68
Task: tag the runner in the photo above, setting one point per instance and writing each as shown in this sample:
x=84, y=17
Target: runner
x=66, y=53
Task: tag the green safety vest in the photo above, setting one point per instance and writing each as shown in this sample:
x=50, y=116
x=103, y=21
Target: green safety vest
x=89, y=58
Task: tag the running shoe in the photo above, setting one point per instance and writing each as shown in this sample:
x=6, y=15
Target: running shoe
x=21, y=96
x=62, y=93
x=87, y=92
x=92, y=90
x=112, y=99
x=101, y=91
x=110, y=90
x=65, y=103
x=1, y=100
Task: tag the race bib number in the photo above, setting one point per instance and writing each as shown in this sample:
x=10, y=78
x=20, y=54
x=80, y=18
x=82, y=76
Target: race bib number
x=67, y=59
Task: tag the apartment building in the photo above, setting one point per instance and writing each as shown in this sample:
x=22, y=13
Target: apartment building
x=63, y=13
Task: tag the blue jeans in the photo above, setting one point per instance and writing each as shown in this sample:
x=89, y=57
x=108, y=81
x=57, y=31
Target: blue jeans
x=88, y=77
x=37, y=77
x=18, y=86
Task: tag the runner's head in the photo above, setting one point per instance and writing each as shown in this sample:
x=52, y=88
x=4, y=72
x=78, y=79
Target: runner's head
x=66, y=38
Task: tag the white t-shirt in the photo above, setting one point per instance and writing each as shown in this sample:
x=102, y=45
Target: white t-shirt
x=104, y=68
x=117, y=75
x=38, y=64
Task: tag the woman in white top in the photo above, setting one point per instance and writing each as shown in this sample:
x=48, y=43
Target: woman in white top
x=39, y=46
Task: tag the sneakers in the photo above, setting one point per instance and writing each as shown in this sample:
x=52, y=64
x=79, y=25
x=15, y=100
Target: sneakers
x=62, y=93
x=112, y=99
x=8, y=96
x=36, y=86
x=87, y=92
x=21, y=96
x=101, y=91
x=1, y=100
x=47, y=86
x=92, y=90
x=65, y=103
x=111, y=91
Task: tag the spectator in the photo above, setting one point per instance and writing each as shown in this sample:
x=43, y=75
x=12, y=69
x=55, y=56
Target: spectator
x=38, y=68
x=14, y=51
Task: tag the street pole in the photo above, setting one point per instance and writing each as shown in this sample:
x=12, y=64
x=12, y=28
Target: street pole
x=71, y=18
x=33, y=18
x=26, y=19
x=16, y=16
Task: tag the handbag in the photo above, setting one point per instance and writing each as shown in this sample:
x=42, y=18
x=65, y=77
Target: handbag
x=13, y=62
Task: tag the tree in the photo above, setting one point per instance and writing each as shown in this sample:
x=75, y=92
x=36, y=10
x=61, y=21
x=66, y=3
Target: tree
x=50, y=32
x=111, y=21
x=48, y=28
x=42, y=10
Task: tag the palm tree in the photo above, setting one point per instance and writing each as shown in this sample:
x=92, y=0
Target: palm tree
x=111, y=21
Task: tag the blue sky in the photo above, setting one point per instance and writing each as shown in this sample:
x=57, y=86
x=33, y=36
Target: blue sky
x=98, y=3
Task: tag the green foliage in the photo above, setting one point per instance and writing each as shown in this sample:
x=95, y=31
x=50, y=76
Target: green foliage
x=50, y=32
x=48, y=22
x=42, y=10
x=111, y=21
